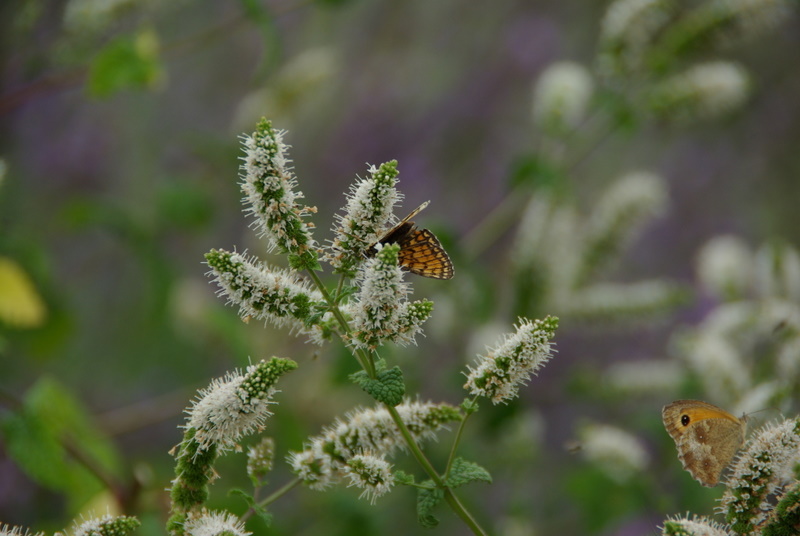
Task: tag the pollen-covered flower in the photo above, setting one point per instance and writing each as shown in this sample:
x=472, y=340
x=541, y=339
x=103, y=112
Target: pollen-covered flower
x=725, y=267
x=324, y=460
x=259, y=459
x=107, y=525
x=616, y=452
x=215, y=524
x=498, y=374
x=262, y=292
x=380, y=310
x=370, y=205
x=703, y=91
x=758, y=472
x=696, y=526
x=236, y=405
x=561, y=97
x=371, y=474
x=269, y=186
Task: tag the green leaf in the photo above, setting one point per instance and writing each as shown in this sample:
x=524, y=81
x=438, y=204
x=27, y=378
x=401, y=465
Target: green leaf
x=127, y=62
x=403, y=478
x=259, y=510
x=48, y=434
x=469, y=406
x=387, y=387
x=427, y=499
x=463, y=472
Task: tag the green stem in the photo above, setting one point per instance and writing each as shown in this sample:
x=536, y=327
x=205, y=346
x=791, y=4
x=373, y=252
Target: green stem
x=451, y=498
x=274, y=496
x=368, y=364
x=363, y=358
x=456, y=441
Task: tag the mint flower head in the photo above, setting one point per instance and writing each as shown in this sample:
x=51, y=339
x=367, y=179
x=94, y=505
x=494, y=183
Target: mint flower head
x=498, y=374
x=107, y=525
x=236, y=405
x=380, y=311
x=696, y=526
x=269, y=186
x=370, y=205
x=760, y=470
x=215, y=524
x=326, y=458
x=371, y=474
x=262, y=292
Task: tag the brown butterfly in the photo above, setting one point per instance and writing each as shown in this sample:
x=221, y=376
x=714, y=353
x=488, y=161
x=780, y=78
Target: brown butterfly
x=421, y=252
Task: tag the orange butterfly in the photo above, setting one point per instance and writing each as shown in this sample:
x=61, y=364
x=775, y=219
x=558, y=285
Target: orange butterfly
x=421, y=252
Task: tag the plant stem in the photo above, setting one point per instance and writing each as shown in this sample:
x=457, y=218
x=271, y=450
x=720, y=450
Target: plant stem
x=451, y=498
x=456, y=441
x=368, y=364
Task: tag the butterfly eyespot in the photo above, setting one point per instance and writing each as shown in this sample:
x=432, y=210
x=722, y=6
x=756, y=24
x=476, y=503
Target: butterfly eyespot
x=685, y=420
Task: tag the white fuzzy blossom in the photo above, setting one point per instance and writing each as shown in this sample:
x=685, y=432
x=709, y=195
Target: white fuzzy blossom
x=758, y=472
x=725, y=267
x=622, y=211
x=215, y=524
x=720, y=365
x=370, y=473
x=626, y=33
x=236, y=405
x=705, y=90
x=263, y=292
x=561, y=97
x=616, y=452
x=106, y=525
x=510, y=364
x=380, y=310
x=269, y=186
x=696, y=526
x=369, y=209
x=325, y=458
x=611, y=301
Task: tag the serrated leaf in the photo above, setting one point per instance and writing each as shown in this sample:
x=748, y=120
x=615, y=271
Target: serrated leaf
x=44, y=436
x=427, y=499
x=387, y=387
x=463, y=472
x=403, y=478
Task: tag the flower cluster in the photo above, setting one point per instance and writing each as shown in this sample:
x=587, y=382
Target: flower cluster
x=381, y=311
x=696, y=526
x=758, y=472
x=214, y=524
x=269, y=188
x=259, y=460
x=263, y=292
x=237, y=405
x=616, y=452
x=499, y=374
x=561, y=97
x=370, y=205
x=107, y=525
x=371, y=432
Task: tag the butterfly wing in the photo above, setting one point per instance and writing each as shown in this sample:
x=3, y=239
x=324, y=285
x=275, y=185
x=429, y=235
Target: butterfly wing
x=421, y=253
x=706, y=437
